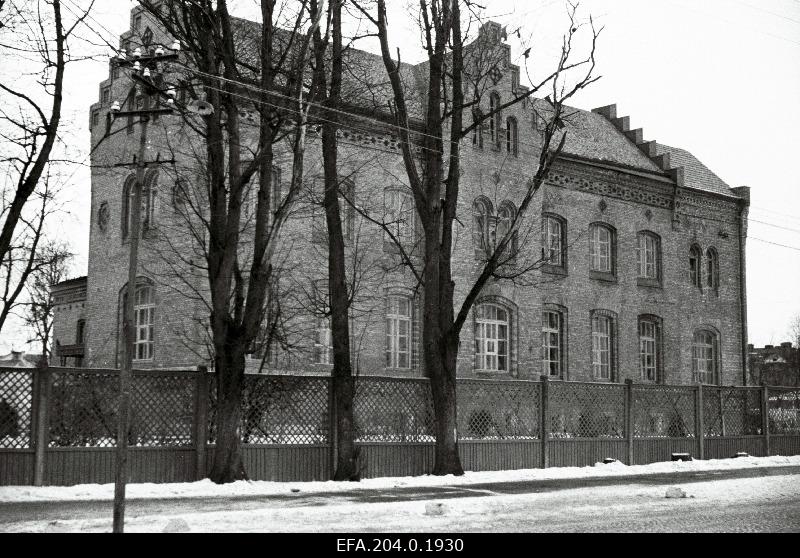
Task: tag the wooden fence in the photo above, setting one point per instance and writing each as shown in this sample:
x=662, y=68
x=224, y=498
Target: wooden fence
x=58, y=425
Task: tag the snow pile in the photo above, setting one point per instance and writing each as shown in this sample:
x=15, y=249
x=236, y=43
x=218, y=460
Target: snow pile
x=207, y=489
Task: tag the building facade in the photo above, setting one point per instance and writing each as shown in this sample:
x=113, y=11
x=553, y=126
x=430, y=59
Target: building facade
x=634, y=251
x=774, y=365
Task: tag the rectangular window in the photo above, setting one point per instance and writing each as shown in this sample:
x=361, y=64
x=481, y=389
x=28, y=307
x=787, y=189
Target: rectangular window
x=704, y=357
x=600, y=248
x=144, y=319
x=648, y=350
x=553, y=245
x=323, y=346
x=601, y=347
x=551, y=343
x=400, y=215
x=95, y=118
x=106, y=96
x=398, y=332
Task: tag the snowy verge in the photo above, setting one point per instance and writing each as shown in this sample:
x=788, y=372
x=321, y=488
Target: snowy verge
x=207, y=489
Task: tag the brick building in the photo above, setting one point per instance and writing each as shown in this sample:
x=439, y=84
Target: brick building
x=774, y=366
x=640, y=249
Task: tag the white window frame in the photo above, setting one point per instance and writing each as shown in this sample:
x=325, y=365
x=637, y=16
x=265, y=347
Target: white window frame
x=705, y=356
x=602, y=346
x=400, y=212
x=553, y=241
x=492, y=338
x=648, y=350
x=600, y=249
x=323, y=342
x=144, y=311
x=399, y=330
x=647, y=255
x=552, y=343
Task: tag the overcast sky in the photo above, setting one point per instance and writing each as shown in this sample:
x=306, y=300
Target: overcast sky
x=719, y=78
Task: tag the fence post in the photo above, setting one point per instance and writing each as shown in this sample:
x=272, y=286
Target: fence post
x=41, y=427
x=699, y=425
x=544, y=420
x=333, y=432
x=629, y=416
x=765, y=418
x=200, y=422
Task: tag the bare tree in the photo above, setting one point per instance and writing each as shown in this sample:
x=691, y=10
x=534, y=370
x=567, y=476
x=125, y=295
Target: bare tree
x=794, y=330
x=35, y=40
x=220, y=59
x=456, y=77
x=53, y=267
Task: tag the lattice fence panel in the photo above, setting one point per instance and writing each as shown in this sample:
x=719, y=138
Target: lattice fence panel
x=285, y=410
x=83, y=409
x=16, y=399
x=663, y=412
x=729, y=411
x=784, y=411
x=162, y=410
x=586, y=410
x=498, y=410
x=393, y=410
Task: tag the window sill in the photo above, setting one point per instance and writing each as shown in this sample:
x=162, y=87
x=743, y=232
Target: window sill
x=554, y=270
x=605, y=276
x=647, y=282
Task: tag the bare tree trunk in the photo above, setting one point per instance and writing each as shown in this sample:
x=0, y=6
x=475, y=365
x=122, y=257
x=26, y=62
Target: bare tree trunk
x=343, y=386
x=228, y=465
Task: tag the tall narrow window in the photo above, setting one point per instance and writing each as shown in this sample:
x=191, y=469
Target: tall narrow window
x=323, y=346
x=512, y=137
x=705, y=356
x=647, y=255
x=492, y=327
x=505, y=218
x=602, y=346
x=694, y=266
x=477, y=132
x=481, y=215
x=552, y=343
x=712, y=271
x=80, y=332
x=144, y=311
x=649, y=348
x=554, y=240
x=601, y=248
x=400, y=215
x=494, y=120
x=398, y=332
x=127, y=198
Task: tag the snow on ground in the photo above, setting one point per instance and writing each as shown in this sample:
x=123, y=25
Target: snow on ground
x=765, y=504
x=207, y=489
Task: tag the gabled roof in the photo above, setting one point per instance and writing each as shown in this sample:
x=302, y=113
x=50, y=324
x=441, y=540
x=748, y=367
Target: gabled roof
x=696, y=174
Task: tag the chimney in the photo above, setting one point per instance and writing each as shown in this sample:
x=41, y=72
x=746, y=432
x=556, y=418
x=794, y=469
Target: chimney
x=768, y=347
x=786, y=345
x=750, y=347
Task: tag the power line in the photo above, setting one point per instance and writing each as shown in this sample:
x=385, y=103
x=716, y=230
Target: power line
x=775, y=243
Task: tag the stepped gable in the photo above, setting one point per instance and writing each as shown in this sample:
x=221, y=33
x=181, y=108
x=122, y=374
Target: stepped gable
x=683, y=167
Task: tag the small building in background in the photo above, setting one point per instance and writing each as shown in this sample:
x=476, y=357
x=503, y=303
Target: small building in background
x=69, y=322
x=774, y=365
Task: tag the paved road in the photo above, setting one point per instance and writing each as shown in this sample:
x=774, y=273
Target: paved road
x=631, y=503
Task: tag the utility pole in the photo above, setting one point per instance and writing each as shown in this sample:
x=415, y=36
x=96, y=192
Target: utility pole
x=142, y=67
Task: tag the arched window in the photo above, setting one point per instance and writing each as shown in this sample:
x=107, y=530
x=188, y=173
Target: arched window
x=492, y=336
x=705, y=356
x=604, y=340
x=601, y=248
x=712, y=271
x=505, y=218
x=495, y=120
x=144, y=312
x=512, y=136
x=149, y=202
x=695, y=276
x=399, y=321
x=648, y=256
x=477, y=132
x=481, y=217
x=650, y=348
x=554, y=241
